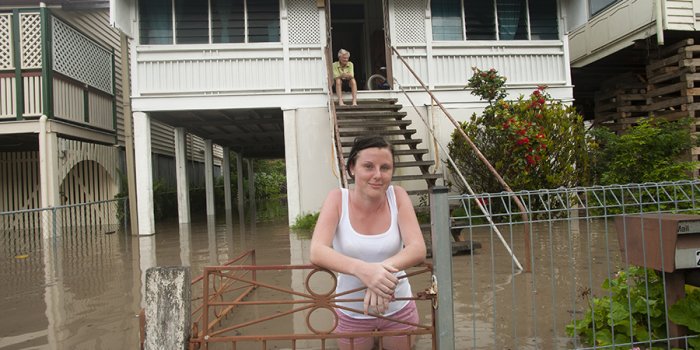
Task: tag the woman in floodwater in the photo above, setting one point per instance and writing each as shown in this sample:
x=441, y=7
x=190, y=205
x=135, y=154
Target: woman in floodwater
x=369, y=234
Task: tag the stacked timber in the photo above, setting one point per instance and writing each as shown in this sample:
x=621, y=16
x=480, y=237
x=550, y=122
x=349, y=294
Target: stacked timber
x=671, y=91
x=674, y=85
x=621, y=101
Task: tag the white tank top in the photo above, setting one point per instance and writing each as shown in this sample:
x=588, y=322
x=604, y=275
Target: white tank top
x=370, y=248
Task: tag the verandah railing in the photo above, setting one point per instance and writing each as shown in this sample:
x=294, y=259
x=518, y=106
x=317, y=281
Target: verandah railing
x=38, y=47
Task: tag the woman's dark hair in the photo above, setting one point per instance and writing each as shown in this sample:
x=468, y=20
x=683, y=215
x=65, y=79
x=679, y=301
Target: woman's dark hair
x=364, y=142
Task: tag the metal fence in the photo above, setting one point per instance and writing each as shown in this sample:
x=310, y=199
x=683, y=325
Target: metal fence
x=584, y=287
x=23, y=230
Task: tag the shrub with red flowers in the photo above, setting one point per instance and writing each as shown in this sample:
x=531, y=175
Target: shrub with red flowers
x=533, y=142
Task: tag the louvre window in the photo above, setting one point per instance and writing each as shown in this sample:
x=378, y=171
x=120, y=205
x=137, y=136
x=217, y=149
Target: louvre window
x=494, y=19
x=213, y=21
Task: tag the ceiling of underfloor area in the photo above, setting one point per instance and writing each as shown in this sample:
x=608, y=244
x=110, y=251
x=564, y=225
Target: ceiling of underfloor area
x=254, y=133
x=19, y=142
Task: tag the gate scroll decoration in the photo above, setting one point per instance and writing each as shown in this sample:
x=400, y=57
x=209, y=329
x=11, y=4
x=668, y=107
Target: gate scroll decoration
x=220, y=318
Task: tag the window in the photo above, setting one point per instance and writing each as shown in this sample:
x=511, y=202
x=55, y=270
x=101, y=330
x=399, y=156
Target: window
x=596, y=6
x=494, y=19
x=212, y=21
x=156, y=22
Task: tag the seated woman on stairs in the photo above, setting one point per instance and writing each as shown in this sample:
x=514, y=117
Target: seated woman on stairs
x=369, y=234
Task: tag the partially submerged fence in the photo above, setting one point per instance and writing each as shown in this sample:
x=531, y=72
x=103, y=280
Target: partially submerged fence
x=24, y=229
x=609, y=268
x=584, y=291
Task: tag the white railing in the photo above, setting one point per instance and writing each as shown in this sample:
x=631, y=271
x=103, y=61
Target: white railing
x=449, y=65
x=228, y=69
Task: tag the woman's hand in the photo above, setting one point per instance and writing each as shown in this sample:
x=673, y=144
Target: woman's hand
x=375, y=303
x=379, y=278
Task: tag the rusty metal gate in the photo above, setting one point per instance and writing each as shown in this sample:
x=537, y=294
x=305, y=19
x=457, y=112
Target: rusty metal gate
x=251, y=306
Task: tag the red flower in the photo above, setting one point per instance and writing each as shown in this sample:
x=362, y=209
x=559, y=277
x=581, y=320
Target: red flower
x=539, y=115
x=523, y=141
x=530, y=159
x=536, y=93
x=541, y=100
x=540, y=136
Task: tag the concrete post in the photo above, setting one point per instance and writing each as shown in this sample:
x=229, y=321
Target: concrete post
x=291, y=165
x=48, y=181
x=226, y=172
x=144, y=173
x=209, y=176
x=168, y=305
x=442, y=267
x=183, y=191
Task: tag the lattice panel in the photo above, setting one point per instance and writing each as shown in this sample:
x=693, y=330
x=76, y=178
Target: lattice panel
x=409, y=16
x=303, y=22
x=6, y=41
x=80, y=58
x=30, y=40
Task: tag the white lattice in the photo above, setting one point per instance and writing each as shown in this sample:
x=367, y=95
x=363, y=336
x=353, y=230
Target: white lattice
x=303, y=22
x=30, y=40
x=6, y=41
x=80, y=58
x=409, y=16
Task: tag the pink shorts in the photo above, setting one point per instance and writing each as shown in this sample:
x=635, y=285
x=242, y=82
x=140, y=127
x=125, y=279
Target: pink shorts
x=347, y=324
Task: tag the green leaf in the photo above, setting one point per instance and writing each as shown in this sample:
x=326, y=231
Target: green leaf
x=686, y=311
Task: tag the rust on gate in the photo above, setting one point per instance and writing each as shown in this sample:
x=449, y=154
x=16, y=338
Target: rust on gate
x=241, y=302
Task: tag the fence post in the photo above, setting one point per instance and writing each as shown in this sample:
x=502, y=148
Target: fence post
x=125, y=208
x=442, y=267
x=168, y=308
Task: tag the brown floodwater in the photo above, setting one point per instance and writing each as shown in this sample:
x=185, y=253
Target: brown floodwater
x=83, y=290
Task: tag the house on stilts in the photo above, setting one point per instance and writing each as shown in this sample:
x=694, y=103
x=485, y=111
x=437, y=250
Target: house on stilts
x=253, y=77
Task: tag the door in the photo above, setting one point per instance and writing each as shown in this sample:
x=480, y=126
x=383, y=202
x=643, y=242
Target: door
x=358, y=26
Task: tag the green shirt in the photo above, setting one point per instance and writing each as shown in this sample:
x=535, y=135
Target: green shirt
x=338, y=70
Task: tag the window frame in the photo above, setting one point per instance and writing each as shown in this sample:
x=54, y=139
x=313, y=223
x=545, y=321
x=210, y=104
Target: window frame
x=210, y=41
x=497, y=19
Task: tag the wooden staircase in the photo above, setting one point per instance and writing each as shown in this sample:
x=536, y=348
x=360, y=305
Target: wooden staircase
x=384, y=117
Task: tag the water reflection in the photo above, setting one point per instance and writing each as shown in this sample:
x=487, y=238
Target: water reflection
x=83, y=290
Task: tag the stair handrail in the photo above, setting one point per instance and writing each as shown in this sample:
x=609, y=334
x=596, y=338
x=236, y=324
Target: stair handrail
x=494, y=172
x=331, y=109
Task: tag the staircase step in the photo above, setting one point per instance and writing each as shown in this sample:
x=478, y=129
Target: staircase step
x=369, y=106
x=417, y=177
x=372, y=123
x=414, y=163
x=418, y=192
x=373, y=114
x=411, y=177
x=400, y=152
x=393, y=142
x=377, y=132
x=364, y=101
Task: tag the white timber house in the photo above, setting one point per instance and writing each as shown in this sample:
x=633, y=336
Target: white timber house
x=252, y=77
x=63, y=135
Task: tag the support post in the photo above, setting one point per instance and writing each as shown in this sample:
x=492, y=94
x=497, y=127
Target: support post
x=48, y=166
x=442, y=267
x=209, y=176
x=168, y=305
x=128, y=137
x=239, y=175
x=251, y=182
x=144, y=173
x=226, y=172
x=183, y=192
x=292, y=165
